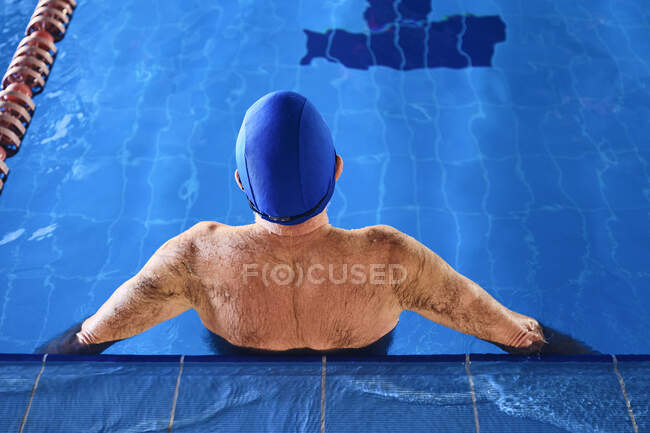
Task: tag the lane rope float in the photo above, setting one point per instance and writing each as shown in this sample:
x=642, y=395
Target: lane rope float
x=27, y=73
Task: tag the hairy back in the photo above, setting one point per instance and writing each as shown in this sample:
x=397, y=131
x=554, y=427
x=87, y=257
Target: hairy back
x=332, y=288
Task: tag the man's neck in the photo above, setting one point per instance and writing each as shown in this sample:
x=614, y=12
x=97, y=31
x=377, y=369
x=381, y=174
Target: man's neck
x=309, y=226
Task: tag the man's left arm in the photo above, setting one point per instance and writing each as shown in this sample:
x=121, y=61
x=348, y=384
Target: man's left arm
x=155, y=294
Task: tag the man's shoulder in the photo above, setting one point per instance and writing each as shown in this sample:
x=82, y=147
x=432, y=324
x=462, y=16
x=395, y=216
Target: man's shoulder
x=396, y=243
x=204, y=228
x=382, y=233
x=209, y=232
x=188, y=241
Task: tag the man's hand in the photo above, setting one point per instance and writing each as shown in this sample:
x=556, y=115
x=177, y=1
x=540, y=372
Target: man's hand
x=527, y=337
x=552, y=341
x=68, y=342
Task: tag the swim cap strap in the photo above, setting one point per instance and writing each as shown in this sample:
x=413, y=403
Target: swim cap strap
x=289, y=218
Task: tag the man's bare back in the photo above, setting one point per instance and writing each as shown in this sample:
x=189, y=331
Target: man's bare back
x=260, y=299
x=226, y=273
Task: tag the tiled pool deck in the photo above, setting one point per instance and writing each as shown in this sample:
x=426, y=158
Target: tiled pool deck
x=500, y=393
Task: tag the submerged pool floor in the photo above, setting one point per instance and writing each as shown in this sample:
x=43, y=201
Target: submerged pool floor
x=509, y=137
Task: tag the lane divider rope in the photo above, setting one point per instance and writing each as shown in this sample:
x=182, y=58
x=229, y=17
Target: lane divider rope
x=27, y=73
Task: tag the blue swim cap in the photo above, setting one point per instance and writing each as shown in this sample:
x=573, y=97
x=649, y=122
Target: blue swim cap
x=286, y=158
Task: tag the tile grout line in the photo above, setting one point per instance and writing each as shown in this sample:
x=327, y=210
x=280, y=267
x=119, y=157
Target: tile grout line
x=623, y=390
x=471, y=388
x=178, y=385
x=31, y=397
x=322, y=393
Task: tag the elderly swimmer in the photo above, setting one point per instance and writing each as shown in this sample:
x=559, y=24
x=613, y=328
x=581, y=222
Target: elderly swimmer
x=292, y=281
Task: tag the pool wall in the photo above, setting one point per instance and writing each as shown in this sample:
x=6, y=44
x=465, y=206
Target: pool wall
x=383, y=394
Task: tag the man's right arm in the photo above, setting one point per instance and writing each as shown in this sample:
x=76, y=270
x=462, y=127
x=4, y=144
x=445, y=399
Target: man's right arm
x=436, y=291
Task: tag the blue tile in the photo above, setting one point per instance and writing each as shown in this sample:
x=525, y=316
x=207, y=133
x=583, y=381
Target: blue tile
x=455, y=144
x=466, y=185
x=548, y=397
x=558, y=236
x=511, y=253
x=385, y=398
x=221, y=397
x=109, y=395
x=510, y=194
x=16, y=382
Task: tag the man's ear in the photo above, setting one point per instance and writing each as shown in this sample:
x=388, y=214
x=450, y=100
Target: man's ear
x=339, y=167
x=238, y=180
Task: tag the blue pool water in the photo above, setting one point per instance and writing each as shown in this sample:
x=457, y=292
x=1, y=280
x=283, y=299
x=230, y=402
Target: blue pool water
x=530, y=176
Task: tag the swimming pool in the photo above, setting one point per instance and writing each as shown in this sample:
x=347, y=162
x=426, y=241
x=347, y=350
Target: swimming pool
x=530, y=176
